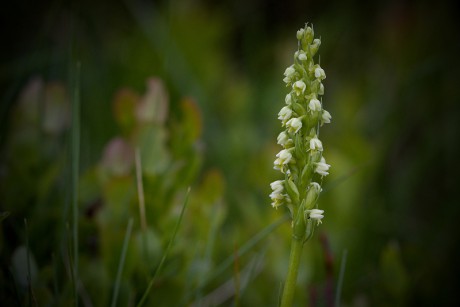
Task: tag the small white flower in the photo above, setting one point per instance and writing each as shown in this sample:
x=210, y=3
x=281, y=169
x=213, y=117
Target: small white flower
x=277, y=196
x=283, y=138
x=319, y=73
x=322, y=167
x=315, y=144
x=290, y=71
x=299, y=87
x=316, y=214
x=285, y=114
x=300, y=34
x=325, y=117
x=288, y=99
x=279, y=199
x=321, y=89
x=314, y=105
x=302, y=56
x=309, y=32
x=283, y=158
x=317, y=42
x=294, y=124
x=289, y=74
x=277, y=186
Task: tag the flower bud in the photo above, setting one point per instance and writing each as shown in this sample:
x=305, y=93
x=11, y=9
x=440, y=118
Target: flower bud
x=302, y=56
x=292, y=190
x=308, y=35
x=321, y=89
x=288, y=99
x=300, y=34
x=312, y=194
x=315, y=46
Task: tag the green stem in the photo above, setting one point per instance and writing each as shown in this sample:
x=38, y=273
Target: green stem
x=291, y=279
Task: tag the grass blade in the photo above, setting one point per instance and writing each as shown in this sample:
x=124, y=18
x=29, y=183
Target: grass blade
x=140, y=191
x=176, y=228
x=343, y=263
x=75, y=139
x=122, y=262
x=247, y=247
x=228, y=289
x=208, y=250
x=29, y=275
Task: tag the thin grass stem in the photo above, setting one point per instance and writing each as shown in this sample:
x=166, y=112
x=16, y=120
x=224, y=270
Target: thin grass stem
x=176, y=228
x=75, y=139
x=140, y=191
x=343, y=264
x=122, y=262
x=246, y=247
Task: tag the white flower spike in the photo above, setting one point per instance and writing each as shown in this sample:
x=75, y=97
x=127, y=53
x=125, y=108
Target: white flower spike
x=300, y=159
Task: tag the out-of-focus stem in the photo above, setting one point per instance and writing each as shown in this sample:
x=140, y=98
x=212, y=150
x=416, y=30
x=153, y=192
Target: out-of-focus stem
x=291, y=279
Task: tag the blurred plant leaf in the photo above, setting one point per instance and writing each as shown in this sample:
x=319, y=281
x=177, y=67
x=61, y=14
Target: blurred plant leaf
x=124, y=108
x=21, y=264
x=153, y=107
x=394, y=274
x=154, y=154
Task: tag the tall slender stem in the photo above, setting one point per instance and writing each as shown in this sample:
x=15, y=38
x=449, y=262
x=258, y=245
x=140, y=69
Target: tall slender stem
x=291, y=279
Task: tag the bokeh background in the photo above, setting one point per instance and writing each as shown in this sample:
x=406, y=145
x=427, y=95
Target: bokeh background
x=193, y=88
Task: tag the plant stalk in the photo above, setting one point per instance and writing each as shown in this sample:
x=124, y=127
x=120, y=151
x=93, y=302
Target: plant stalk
x=291, y=279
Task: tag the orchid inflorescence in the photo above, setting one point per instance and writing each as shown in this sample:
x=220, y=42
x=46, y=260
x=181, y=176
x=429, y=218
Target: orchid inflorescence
x=301, y=159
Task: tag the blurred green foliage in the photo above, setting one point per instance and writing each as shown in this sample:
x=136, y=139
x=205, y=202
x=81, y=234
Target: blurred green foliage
x=194, y=87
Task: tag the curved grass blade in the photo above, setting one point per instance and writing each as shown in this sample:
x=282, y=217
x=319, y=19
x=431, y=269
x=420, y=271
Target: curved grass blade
x=247, y=247
x=75, y=141
x=343, y=263
x=176, y=228
x=122, y=262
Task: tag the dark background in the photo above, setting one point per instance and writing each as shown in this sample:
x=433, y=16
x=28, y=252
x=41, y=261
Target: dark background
x=392, y=88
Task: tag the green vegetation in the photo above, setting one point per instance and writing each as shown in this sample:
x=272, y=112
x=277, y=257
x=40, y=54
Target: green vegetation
x=111, y=111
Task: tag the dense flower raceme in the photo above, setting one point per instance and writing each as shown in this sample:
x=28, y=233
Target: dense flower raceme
x=301, y=159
